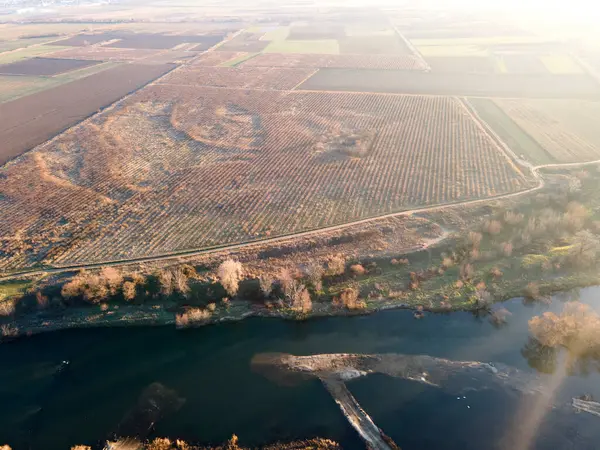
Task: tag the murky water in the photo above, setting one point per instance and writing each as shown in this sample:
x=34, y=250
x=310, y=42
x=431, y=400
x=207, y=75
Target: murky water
x=48, y=406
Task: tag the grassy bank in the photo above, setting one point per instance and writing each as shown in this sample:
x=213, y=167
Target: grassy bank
x=531, y=247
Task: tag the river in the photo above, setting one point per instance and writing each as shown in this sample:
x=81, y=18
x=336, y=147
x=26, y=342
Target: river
x=48, y=406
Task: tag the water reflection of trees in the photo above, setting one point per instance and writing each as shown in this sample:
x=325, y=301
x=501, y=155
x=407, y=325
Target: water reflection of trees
x=576, y=331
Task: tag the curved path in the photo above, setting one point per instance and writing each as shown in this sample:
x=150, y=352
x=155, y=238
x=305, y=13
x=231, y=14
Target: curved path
x=502, y=146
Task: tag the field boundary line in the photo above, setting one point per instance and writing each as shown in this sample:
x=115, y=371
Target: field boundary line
x=117, y=102
x=273, y=240
x=504, y=148
x=415, y=52
x=305, y=79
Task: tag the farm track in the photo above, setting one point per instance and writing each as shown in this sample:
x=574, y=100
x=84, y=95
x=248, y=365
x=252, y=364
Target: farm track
x=505, y=150
x=281, y=239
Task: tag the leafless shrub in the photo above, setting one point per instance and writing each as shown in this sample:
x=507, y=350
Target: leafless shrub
x=357, y=269
x=8, y=331
x=41, y=300
x=192, y=316
x=287, y=282
x=301, y=301
x=513, y=218
x=506, y=248
x=348, y=299
x=466, y=271
x=314, y=272
x=496, y=273
x=93, y=288
x=265, y=282
x=165, y=279
x=129, y=290
x=474, y=254
x=160, y=444
x=399, y=262
x=447, y=262
x=493, y=227
x=77, y=447
x=230, y=273
x=532, y=291
x=211, y=307
x=7, y=307
x=500, y=316
x=112, y=278
x=474, y=239
x=336, y=265
x=180, y=282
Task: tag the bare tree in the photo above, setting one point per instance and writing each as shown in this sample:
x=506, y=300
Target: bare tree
x=314, y=272
x=265, y=282
x=230, y=273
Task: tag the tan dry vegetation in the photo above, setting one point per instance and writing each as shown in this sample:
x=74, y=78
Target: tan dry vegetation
x=577, y=328
x=135, y=181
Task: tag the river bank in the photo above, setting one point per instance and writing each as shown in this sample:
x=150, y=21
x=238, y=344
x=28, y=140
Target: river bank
x=211, y=368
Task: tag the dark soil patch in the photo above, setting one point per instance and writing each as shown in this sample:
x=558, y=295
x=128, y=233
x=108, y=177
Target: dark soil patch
x=476, y=85
x=373, y=45
x=143, y=40
x=44, y=66
x=31, y=120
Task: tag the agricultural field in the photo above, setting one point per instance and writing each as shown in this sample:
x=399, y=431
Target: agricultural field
x=44, y=66
x=214, y=58
x=31, y=120
x=382, y=62
x=463, y=84
x=175, y=167
x=566, y=129
x=157, y=41
x=277, y=78
x=13, y=87
x=26, y=53
x=94, y=53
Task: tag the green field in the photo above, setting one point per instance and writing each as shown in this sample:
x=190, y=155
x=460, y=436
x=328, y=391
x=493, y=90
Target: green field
x=513, y=135
x=278, y=34
x=325, y=46
x=561, y=64
x=237, y=61
x=30, y=52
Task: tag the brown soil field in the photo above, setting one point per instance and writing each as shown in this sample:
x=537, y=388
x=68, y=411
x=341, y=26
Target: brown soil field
x=214, y=58
x=104, y=53
x=388, y=62
x=44, y=66
x=245, y=42
x=278, y=78
x=435, y=83
x=83, y=40
x=31, y=120
x=175, y=167
x=373, y=45
x=163, y=41
x=462, y=64
x=141, y=40
x=567, y=129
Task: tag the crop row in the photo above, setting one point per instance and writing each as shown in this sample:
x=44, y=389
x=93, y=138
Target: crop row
x=239, y=78
x=177, y=168
x=387, y=62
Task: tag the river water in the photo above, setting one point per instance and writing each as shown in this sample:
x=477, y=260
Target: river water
x=44, y=406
